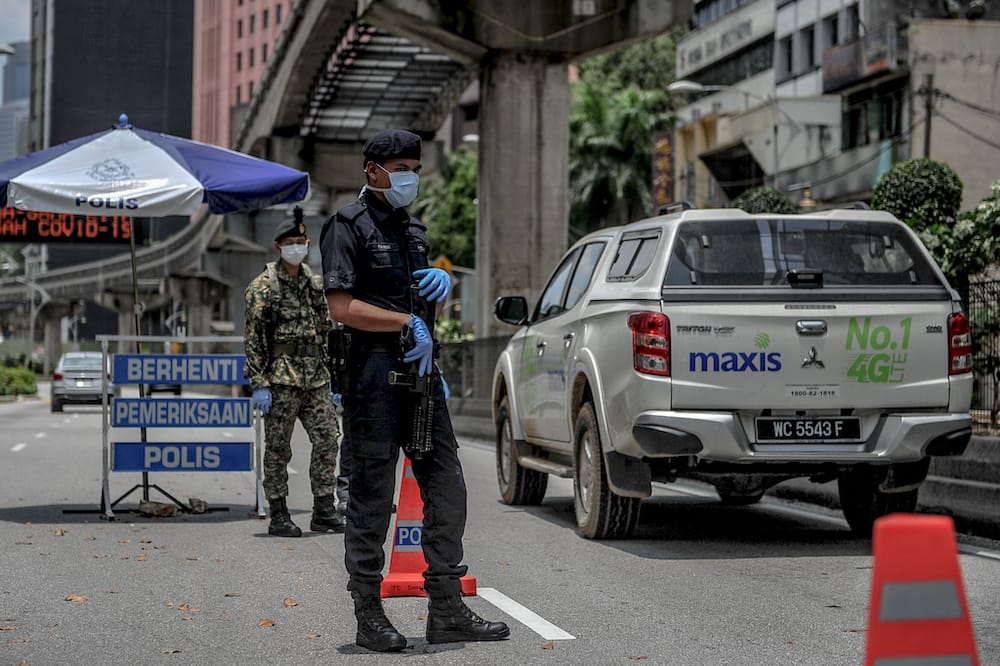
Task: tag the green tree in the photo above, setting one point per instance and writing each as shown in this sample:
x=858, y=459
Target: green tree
x=764, y=200
x=448, y=208
x=920, y=192
x=619, y=101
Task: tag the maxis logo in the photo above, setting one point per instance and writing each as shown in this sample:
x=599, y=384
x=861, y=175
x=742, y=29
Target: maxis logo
x=760, y=361
x=734, y=362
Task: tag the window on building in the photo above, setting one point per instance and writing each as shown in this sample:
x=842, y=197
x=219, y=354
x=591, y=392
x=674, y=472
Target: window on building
x=809, y=48
x=852, y=25
x=253, y=23
x=831, y=26
x=785, y=58
x=239, y=61
x=250, y=57
x=239, y=28
x=873, y=115
x=239, y=94
x=263, y=54
x=263, y=19
x=277, y=14
x=250, y=91
x=740, y=66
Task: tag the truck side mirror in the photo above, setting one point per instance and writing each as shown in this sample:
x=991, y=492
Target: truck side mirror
x=511, y=310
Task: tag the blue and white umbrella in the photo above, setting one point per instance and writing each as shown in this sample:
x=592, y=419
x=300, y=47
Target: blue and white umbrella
x=129, y=171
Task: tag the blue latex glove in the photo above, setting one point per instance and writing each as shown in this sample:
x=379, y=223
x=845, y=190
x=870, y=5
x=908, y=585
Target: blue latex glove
x=262, y=399
x=423, y=349
x=444, y=385
x=338, y=402
x=435, y=283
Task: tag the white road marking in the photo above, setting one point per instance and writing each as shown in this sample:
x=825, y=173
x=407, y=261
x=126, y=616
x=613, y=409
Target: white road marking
x=17, y=447
x=528, y=618
x=39, y=435
x=973, y=550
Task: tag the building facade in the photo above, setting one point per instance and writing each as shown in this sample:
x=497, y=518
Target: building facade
x=233, y=43
x=847, y=93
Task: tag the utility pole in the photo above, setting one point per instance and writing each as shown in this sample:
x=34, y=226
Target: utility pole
x=928, y=91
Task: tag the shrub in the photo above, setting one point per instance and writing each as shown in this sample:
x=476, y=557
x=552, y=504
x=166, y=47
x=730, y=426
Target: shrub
x=17, y=381
x=764, y=200
x=920, y=192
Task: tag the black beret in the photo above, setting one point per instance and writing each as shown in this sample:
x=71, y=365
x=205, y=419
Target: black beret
x=289, y=227
x=392, y=143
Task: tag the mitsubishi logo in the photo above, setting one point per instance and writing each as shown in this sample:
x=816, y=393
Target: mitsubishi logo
x=811, y=361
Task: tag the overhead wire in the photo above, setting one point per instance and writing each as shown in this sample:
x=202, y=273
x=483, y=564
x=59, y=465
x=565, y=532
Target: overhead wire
x=967, y=131
x=993, y=113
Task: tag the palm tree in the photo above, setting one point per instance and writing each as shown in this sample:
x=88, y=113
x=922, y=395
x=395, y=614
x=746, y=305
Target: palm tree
x=611, y=148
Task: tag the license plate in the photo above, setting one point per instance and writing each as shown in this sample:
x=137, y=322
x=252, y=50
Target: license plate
x=823, y=429
x=83, y=382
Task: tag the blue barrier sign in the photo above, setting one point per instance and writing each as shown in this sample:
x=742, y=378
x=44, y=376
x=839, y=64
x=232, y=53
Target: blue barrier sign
x=181, y=457
x=180, y=369
x=181, y=413
x=409, y=534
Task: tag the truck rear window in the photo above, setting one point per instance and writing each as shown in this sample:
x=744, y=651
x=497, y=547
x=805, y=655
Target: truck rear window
x=761, y=252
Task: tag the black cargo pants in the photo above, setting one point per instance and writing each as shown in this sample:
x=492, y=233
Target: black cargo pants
x=377, y=422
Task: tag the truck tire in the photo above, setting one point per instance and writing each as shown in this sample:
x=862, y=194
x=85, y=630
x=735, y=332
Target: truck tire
x=863, y=503
x=600, y=513
x=57, y=405
x=518, y=486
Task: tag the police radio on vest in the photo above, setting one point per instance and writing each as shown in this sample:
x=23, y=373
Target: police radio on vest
x=107, y=202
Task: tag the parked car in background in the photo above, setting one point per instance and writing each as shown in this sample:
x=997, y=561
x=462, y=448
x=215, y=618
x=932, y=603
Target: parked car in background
x=78, y=378
x=739, y=350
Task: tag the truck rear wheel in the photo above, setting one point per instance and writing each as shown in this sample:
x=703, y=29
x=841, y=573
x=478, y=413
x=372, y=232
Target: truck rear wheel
x=863, y=503
x=600, y=513
x=518, y=486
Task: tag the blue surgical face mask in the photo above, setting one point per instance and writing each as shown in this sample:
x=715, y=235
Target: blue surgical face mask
x=403, y=187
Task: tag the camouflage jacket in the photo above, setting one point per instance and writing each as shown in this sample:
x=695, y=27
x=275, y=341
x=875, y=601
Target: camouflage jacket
x=303, y=321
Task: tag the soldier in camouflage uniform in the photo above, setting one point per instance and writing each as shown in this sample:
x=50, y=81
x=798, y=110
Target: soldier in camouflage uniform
x=285, y=336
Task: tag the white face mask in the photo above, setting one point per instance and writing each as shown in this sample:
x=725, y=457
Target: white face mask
x=294, y=254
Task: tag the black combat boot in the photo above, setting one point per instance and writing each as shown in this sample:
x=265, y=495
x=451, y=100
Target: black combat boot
x=326, y=517
x=375, y=632
x=281, y=522
x=450, y=620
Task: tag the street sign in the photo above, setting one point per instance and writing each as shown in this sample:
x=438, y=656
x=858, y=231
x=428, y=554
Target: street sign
x=180, y=369
x=181, y=413
x=181, y=457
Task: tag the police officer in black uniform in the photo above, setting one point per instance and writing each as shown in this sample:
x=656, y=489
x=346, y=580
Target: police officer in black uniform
x=372, y=252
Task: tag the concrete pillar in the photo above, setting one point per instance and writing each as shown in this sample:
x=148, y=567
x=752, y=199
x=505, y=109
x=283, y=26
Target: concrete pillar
x=522, y=225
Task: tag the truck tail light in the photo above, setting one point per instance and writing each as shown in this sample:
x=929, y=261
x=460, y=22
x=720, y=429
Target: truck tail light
x=650, y=342
x=57, y=375
x=959, y=344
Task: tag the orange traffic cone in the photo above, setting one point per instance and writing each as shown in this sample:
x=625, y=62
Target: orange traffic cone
x=407, y=563
x=918, y=611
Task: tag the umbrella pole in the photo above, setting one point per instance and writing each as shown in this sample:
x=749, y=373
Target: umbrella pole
x=136, y=310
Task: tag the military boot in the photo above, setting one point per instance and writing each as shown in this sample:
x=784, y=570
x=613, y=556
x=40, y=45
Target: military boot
x=450, y=620
x=326, y=517
x=281, y=522
x=375, y=632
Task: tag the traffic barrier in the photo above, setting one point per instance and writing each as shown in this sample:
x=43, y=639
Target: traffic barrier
x=918, y=615
x=196, y=454
x=407, y=564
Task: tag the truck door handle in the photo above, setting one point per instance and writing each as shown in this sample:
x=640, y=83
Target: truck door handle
x=810, y=327
x=568, y=339
x=540, y=345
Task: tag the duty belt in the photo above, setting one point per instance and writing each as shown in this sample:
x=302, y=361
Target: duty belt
x=296, y=350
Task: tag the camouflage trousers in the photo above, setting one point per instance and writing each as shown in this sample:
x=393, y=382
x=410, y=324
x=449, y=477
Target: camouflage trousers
x=314, y=408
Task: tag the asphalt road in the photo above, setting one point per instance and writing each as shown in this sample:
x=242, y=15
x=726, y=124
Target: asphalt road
x=702, y=583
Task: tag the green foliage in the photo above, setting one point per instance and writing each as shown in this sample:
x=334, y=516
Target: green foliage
x=984, y=322
x=450, y=330
x=920, y=192
x=764, y=200
x=618, y=103
x=969, y=246
x=17, y=381
x=448, y=208
x=645, y=65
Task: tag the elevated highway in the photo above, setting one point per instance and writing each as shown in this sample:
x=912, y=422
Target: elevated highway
x=344, y=69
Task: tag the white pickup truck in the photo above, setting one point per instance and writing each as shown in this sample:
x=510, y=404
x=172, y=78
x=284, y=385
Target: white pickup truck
x=741, y=350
